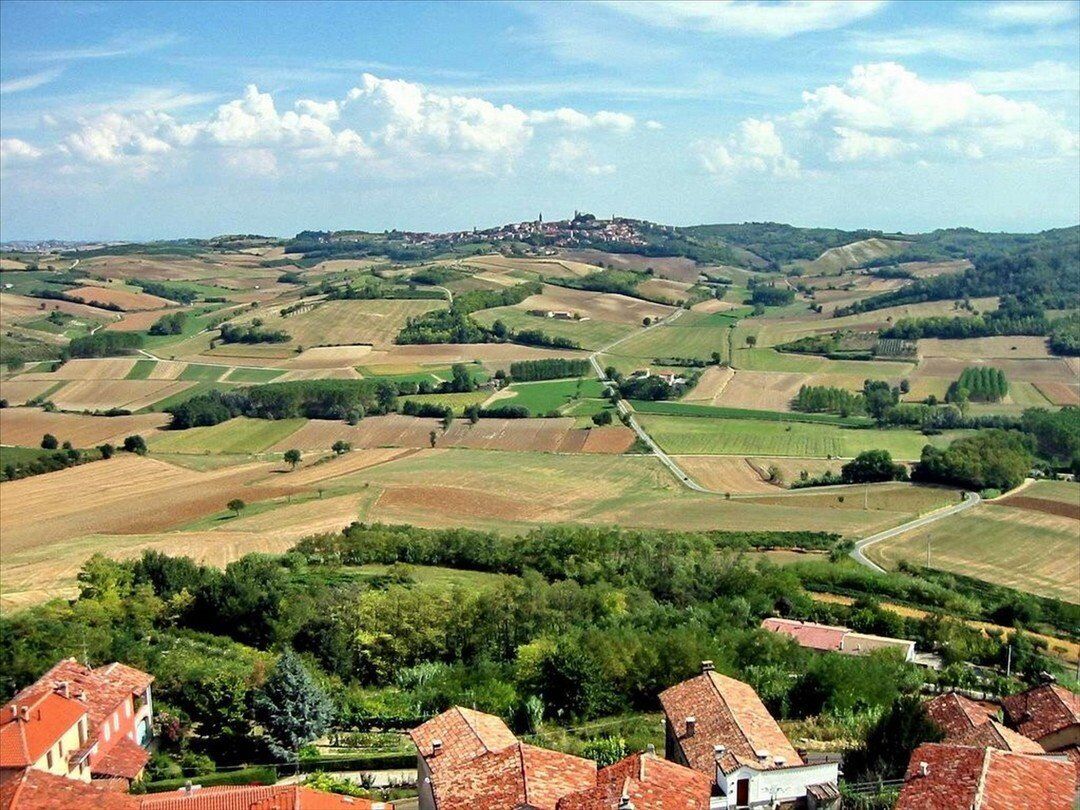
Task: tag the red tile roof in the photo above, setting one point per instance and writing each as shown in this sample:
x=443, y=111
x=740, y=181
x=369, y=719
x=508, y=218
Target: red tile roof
x=727, y=712
x=482, y=765
x=465, y=734
x=255, y=797
x=31, y=789
x=125, y=759
x=32, y=722
x=965, y=777
x=809, y=634
x=103, y=689
x=956, y=714
x=649, y=782
x=994, y=735
x=1043, y=710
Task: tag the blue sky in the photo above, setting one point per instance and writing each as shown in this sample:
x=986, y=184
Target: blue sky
x=155, y=120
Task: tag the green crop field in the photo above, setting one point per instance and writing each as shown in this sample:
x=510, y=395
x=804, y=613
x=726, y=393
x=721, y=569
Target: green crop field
x=697, y=436
x=1021, y=548
x=693, y=334
x=759, y=359
x=200, y=373
x=141, y=370
x=551, y=395
x=253, y=375
x=589, y=334
x=719, y=412
x=11, y=454
x=187, y=393
x=240, y=435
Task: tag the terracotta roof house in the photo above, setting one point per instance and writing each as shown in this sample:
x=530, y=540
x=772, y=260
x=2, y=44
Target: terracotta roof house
x=468, y=759
x=1048, y=714
x=957, y=715
x=808, y=634
x=831, y=638
x=951, y=777
x=643, y=782
x=719, y=727
x=992, y=734
x=256, y=797
x=80, y=722
x=34, y=789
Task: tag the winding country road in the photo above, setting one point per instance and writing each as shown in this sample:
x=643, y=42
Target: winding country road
x=970, y=500
x=624, y=409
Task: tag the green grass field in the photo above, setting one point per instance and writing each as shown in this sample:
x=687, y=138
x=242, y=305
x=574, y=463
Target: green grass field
x=1020, y=548
x=11, y=454
x=692, y=334
x=759, y=359
x=198, y=318
x=201, y=373
x=429, y=374
x=696, y=436
x=141, y=370
x=551, y=395
x=589, y=334
x=239, y=435
x=253, y=375
x=719, y=412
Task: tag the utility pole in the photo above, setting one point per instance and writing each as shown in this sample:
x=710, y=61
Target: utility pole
x=1008, y=662
x=929, y=537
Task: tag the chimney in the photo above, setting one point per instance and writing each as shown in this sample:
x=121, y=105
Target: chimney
x=691, y=722
x=924, y=769
x=24, y=713
x=719, y=750
x=14, y=712
x=189, y=788
x=706, y=666
x=436, y=747
x=762, y=755
x=778, y=762
x=64, y=689
x=625, y=803
x=650, y=749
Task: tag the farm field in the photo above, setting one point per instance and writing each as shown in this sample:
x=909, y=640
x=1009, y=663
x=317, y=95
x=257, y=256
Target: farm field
x=26, y=426
x=589, y=334
x=538, y=267
x=548, y=395
x=239, y=435
x=124, y=299
x=539, y=435
x=758, y=359
x=132, y=395
x=767, y=390
x=772, y=330
x=1011, y=346
x=458, y=402
x=705, y=436
x=330, y=323
x=17, y=392
x=693, y=334
x=710, y=385
x=597, y=306
x=677, y=268
x=838, y=259
x=1030, y=541
x=659, y=289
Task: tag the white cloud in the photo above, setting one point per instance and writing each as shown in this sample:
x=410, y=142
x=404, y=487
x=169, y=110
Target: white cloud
x=887, y=100
x=751, y=18
x=388, y=125
x=1046, y=76
x=654, y=125
x=14, y=151
x=754, y=146
x=1035, y=13
x=852, y=144
x=30, y=81
x=575, y=157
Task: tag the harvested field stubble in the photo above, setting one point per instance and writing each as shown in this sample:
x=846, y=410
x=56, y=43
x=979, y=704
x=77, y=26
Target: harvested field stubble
x=26, y=426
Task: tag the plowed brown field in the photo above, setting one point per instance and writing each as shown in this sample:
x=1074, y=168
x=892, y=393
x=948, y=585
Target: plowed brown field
x=125, y=299
x=1060, y=393
x=26, y=426
x=95, y=395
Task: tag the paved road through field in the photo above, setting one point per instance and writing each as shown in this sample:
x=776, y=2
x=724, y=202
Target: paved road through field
x=624, y=409
x=970, y=500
